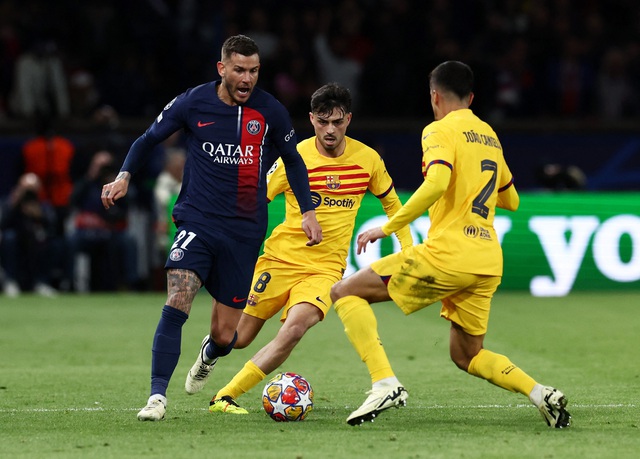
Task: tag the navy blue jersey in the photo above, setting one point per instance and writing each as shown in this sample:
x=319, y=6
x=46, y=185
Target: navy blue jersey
x=229, y=151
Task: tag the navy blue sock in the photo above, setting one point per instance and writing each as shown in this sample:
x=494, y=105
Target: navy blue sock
x=166, y=348
x=214, y=351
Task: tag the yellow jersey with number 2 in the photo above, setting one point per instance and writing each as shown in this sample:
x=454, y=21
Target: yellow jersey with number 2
x=462, y=237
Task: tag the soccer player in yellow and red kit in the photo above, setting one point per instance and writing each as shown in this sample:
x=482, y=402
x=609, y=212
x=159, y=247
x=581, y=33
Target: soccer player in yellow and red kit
x=460, y=264
x=298, y=280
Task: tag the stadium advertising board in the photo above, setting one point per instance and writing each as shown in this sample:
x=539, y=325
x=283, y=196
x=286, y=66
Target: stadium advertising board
x=555, y=243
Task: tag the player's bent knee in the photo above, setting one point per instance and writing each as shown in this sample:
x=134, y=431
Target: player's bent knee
x=336, y=291
x=461, y=364
x=223, y=338
x=243, y=341
x=461, y=360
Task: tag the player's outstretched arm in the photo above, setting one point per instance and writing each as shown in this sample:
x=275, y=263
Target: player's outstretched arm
x=391, y=204
x=311, y=227
x=115, y=190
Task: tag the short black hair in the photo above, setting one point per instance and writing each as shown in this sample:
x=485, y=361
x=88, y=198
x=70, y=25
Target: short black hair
x=329, y=97
x=453, y=76
x=240, y=44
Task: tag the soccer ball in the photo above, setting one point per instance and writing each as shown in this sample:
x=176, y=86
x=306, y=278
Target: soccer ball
x=287, y=397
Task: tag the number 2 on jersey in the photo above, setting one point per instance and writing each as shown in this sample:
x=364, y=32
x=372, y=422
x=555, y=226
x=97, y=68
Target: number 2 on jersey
x=479, y=206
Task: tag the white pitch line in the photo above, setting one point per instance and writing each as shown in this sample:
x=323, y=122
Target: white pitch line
x=413, y=407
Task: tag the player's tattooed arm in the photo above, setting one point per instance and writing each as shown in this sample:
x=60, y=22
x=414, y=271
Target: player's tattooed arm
x=124, y=175
x=182, y=286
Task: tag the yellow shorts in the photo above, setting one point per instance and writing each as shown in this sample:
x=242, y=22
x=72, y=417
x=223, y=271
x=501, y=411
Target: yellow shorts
x=415, y=283
x=278, y=286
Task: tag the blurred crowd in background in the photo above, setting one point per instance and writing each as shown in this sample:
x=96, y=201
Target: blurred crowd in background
x=99, y=62
x=532, y=57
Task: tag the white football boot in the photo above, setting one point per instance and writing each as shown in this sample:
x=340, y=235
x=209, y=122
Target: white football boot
x=199, y=372
x=552, y=408
x=379, y=400
x=155, y=409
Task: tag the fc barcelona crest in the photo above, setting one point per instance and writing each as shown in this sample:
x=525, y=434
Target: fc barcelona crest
x=333, y=182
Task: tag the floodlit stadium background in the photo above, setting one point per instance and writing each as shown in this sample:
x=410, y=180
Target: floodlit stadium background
x=558, y=80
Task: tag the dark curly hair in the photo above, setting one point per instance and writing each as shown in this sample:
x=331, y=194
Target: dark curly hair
x=329, y=97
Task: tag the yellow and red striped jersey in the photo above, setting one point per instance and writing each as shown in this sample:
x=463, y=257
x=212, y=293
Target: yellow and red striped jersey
x=337, y=188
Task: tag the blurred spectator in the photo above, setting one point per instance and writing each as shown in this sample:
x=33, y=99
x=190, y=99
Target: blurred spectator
x=334, y=61
x=9, y=52
x=616, y=95
x=166, y=192
x=84, y=97
x=40, y=83
x=126, y=85
x=390, y=53
x=28, y=239
x=259, y=31
x=140, y=53
x=106, y=116
x=296, y=75
x=102, y=234
x=292, y=78
x=571, y=79
x=50, y=156
x=514, y=82
x=352, y=19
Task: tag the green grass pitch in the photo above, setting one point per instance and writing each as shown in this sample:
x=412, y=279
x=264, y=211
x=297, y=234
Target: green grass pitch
x=74, y=371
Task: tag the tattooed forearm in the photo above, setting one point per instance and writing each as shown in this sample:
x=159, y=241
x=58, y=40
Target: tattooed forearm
x=124, y=175
x=182, y=286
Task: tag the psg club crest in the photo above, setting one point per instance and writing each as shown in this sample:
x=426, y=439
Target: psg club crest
x=254, y=127
x=176, y=254
x=333, y=182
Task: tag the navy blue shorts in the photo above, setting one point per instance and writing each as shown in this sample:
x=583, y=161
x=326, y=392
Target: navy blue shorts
x=224, y=265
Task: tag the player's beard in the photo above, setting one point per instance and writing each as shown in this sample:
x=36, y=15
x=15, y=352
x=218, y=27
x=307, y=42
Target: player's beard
x=231, y=90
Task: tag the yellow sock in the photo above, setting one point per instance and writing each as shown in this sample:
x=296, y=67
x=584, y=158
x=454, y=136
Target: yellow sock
x=498, y=370
x=242, y=382
x=361, y=327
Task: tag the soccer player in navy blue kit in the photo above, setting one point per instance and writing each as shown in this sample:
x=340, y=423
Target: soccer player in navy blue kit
x=234, y=133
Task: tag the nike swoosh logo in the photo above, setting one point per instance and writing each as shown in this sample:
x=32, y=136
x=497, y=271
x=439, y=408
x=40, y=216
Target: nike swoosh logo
x=238, y=300
x=201, y=124
x=320, y=300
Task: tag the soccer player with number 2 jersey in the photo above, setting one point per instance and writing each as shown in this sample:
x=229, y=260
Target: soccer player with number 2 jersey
x=291, y=277
x=234, y=133
x=460, y=263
